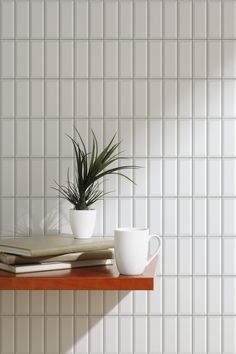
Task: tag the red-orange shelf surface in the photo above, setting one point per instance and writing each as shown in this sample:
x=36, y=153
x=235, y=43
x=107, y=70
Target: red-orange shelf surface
x=90, y=278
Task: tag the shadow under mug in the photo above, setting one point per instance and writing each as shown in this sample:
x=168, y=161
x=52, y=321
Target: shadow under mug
x=131, y=249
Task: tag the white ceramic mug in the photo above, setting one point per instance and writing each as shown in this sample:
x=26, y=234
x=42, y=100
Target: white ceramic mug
x=131, y=249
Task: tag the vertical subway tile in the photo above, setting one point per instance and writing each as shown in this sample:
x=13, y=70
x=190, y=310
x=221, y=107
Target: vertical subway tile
x=111, y=59
x=228, y=338
x=155, y=335
x=37, y=98
x=96, y=98
x=214, y=217
x=185, y=212
x=214, y=296
x=6, y=141
x=125, y=213
x=111, y=223
x=170, y=137
x=154, y=19
x=66, y=59
x=170, y=255
x=22, y=334
x=170, y=334
x=214, y=137
x=184, y=98
x=81, y=24
x=110, y=303
x=199, y=296
x=81, y=334
x=184, y=58
x=155, y=216
x=199, y=96
x=22, y=99
x=229, y=51
x=228, y=104
x=199, y=335
x=185, y=334
x=155, y=58
x=125, y=99
x=7, y=98
x=155, y=177
x=96, y=58
x=140, y=98
x=214, y=256
x=66, y=98
x=214, y=58
x=229, y=146
x=140, y=212
x=140, y=19
x=51, y=21
x=7, y=19
x=170, y=217
x=228, y=177
x=22, y=59
x=96, y=334
x=111, y=19
x=7, y=177
x=170, y=177
x=126, y=19
x=155, y=137
x=52, y=335
x=7, y=326
x=140, y=58
x=214, y=19
x=229, y=290
x=22, y=177
x=199, y=217
x=7, y=217
x=36, y=329
x=126, y=333
x=66, y=19
x=125, y=58
x=185, y=295
x=185, y=19
x=37, y=58
x=66, y=334
x=170, y=19
x=111, y=334
x=111, y=98
x=96, y=19
x=140, y=177
x=199, y=59
x=229, y=11
x=81, y=58
x=7, y=59
x=185, y=177
x=140, y=334
x=37, y=19
x=22, y=19
x=200, y=19
x=154, y=98
x=170, y=99
x=228, y=257
x=185, y=255
x=199, y=256
x=214, y=334
x=170, y=58
x=229, y=208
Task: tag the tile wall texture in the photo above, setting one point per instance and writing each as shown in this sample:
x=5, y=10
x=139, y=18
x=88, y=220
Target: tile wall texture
x=163, y=75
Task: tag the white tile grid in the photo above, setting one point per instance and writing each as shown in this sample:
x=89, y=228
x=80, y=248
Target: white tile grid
x=204, y=146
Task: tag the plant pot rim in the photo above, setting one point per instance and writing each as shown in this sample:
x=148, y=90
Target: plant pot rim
x=82, y=209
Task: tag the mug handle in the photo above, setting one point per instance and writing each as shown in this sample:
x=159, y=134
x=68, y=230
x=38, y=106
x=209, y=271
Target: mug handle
x=158, y=248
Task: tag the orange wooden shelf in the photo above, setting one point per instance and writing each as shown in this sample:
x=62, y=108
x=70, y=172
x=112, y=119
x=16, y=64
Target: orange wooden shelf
x=90, y=278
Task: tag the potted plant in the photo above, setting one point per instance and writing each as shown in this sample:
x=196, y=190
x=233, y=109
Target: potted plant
x=84, y=190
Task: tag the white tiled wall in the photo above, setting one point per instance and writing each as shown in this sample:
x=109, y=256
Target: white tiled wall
x=162, y=74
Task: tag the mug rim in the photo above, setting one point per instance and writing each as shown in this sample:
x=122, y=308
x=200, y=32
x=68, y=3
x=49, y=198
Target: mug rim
x=132, y=229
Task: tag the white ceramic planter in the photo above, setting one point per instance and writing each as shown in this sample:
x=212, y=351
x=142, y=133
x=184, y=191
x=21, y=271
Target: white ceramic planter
x=82, y=222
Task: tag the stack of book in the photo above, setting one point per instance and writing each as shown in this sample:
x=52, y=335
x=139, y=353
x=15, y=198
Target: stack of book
x=44, y=253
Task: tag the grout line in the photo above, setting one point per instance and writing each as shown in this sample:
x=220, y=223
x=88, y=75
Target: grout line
x=163, y=183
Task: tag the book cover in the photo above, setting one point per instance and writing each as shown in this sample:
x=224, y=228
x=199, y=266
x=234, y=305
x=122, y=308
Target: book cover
x=8, y=258
x=40, y=267
x=38, y=246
